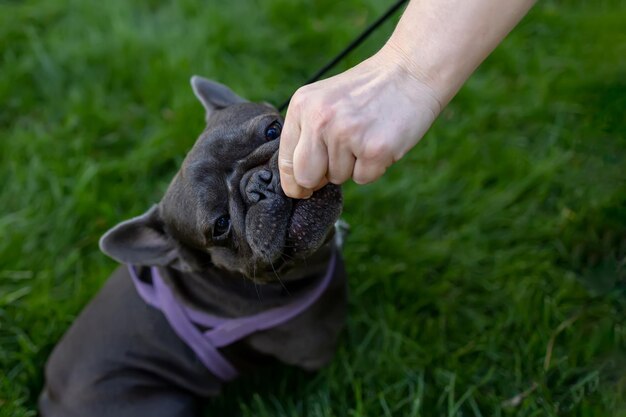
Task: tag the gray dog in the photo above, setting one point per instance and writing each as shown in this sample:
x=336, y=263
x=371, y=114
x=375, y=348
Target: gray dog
x=224, y=274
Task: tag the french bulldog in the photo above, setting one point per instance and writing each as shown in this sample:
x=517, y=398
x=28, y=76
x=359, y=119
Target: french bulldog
x=224, y=244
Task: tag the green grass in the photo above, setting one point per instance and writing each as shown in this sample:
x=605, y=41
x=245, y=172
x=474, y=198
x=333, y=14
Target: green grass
x=489, y=265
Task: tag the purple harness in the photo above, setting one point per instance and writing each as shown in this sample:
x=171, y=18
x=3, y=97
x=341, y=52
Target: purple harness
x=186, y=322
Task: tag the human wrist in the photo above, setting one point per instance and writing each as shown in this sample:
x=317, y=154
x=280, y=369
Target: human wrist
x=399, y=68
x=441, y=42
x=428, y=64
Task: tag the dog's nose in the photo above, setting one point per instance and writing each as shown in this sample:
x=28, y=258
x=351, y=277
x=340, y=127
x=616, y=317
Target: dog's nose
x=264, y=175
x=260, y=185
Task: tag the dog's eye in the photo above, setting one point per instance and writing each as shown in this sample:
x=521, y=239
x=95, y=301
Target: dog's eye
x=221, y=227
x=273, y=131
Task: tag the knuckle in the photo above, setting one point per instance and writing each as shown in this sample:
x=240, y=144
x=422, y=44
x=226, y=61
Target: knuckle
x=376, y=150
x=337, y=178
x=347, y=130
x=299, y=98
x=285, y=165
x=362, y=179
x=368, y=172
x=322, y=116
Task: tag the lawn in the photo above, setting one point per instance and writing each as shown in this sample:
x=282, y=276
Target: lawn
x=487, y=268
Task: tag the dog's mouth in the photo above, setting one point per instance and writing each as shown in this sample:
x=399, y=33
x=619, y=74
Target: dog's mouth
x=279, y=226
x=312, y=220
x=306, y=227
x=280, y=230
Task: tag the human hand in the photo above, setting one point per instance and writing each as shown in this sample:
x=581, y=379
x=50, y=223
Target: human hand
x=354, y=125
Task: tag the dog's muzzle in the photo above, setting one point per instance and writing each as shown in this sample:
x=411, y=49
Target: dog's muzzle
x=257, y=174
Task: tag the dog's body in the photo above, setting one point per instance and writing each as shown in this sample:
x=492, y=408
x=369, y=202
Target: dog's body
x=226, y=242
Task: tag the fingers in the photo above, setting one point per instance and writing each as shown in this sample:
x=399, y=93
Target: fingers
x=288, y=142
x=303, y=158
x=310, y=160
x=321, y=184
x=340, y=162
x=366, y=171
x=336, y=129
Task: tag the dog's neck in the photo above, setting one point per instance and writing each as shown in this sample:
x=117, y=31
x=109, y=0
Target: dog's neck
x=231, y=294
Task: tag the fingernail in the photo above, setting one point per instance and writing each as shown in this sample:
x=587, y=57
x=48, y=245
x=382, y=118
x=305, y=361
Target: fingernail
x=300, y=193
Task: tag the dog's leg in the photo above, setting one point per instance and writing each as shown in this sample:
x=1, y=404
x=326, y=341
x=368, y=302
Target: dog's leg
x=120, y=358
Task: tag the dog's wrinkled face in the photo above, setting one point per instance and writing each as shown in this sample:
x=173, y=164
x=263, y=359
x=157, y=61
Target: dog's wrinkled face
x=225, y=206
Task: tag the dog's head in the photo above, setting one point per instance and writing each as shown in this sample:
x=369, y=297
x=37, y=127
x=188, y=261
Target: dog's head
x=225, y=206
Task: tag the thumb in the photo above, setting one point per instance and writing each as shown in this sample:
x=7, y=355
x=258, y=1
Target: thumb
x=289, y=139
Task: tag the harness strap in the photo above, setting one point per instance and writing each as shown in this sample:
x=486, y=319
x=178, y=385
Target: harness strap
x=185, y=329
x=222, y=332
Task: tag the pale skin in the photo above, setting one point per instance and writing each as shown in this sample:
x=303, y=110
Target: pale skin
x=356, y=124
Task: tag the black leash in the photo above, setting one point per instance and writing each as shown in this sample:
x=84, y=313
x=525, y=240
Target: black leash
x=368, y=31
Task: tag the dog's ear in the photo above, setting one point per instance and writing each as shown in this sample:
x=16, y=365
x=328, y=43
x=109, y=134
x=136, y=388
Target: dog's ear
x=140, y=241
x=213, y=95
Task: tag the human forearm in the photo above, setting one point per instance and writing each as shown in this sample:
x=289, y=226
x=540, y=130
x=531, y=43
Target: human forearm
x=357, y=123
x=441, y=42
